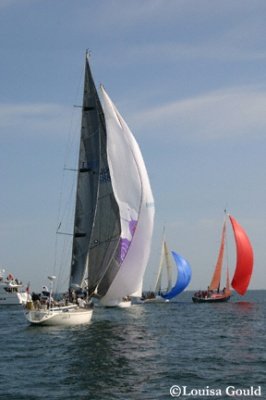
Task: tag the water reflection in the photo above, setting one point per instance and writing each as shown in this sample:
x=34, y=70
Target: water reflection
x=245, y=305
x=107, y=357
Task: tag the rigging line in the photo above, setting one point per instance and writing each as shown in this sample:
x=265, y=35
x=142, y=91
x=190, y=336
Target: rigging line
x=64, y=260
x=68, y=150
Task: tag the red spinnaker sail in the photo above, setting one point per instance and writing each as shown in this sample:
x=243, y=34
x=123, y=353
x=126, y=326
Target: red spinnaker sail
x=244, y=262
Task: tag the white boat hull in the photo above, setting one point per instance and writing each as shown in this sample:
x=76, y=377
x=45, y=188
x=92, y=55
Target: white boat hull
x=61, y=316
x=125, y=304
x=157, y=299
x=14, y=298
x=116, y=303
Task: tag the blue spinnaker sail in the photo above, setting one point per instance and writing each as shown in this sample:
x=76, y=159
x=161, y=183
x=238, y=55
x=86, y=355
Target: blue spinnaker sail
x=183, y=277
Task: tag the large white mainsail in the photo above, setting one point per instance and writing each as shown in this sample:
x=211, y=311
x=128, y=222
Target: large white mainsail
x=134, y=197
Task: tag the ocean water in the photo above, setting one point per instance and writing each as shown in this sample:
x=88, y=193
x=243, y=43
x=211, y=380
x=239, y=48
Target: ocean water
x=201, y=351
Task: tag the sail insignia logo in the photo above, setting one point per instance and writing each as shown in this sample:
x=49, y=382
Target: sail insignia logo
x=105, y=175
x=230, y=391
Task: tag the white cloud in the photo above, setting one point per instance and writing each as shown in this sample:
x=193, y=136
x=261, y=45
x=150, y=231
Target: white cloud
x=219, y=49
x=234, y=112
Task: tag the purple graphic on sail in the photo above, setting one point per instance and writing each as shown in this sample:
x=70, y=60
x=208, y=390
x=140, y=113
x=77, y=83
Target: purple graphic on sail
x=125, y=243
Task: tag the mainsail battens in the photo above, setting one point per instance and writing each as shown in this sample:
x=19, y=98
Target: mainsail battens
x=79, y=235
x=244, y=263
x=216, y=279
x=88, y=108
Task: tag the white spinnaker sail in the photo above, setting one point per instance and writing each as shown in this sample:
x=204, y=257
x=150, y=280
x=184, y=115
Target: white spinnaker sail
x=133, y=193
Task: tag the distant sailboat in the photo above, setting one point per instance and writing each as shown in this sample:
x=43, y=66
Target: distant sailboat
x=243, y=269
x=182, y=280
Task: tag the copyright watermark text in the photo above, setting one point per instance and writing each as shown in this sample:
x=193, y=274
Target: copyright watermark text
x=207, y=391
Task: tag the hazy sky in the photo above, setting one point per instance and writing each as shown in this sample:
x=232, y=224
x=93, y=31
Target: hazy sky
x=188, y=76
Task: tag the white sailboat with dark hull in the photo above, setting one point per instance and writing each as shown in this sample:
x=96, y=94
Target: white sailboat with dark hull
x=114, y=210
